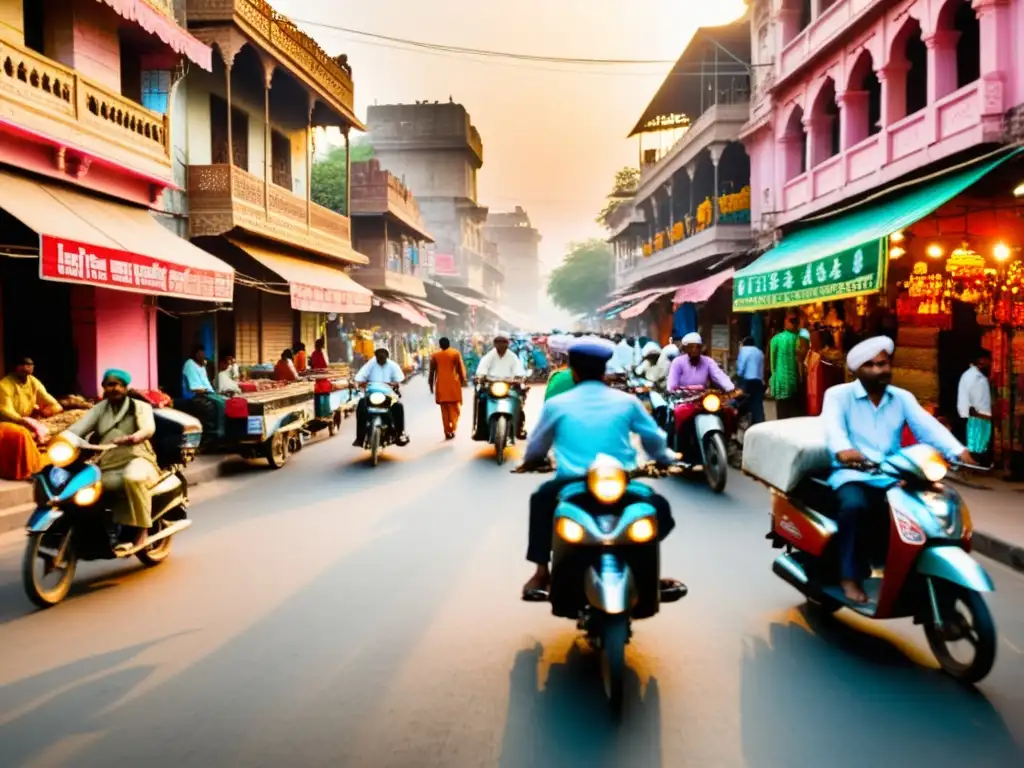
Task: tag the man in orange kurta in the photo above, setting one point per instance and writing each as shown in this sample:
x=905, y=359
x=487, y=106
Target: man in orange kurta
x=447, y=378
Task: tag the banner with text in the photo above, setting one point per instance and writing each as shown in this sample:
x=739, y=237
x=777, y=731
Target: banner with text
x=73, y=262
x=313, y=298
x=853, y=272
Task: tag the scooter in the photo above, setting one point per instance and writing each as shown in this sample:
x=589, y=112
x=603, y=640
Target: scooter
x=504, y=399
x=71, y=524
x=696, y=430
x=605, y=565
x=379, y=432
x=928, y=573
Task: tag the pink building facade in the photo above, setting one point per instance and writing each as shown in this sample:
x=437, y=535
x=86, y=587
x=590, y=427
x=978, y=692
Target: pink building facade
x=857, y=94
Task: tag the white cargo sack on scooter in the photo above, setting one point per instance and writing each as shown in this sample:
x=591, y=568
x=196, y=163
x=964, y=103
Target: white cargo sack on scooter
x=781, y=453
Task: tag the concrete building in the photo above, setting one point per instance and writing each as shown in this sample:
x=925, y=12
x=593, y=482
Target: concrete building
x=436, y=151
x=518, y=244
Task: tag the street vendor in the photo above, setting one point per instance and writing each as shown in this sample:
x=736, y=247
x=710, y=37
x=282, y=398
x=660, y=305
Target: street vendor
x=299, y=350
x=23, y=396
x=285, y=368
x=129, y=469
x=318, y=360
x=227, y=379
x=206, y=405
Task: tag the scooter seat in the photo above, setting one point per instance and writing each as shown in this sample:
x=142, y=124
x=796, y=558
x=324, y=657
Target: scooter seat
x=815, y=493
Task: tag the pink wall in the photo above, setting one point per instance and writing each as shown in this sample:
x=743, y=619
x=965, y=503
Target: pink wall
x=83, y=34
x=113, y=329
x=834, y=52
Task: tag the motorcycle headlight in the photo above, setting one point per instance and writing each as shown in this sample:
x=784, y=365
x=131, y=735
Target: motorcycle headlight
x=712, y=403
x=499, y=389
x=378, y=398
x=643, y=530
x=934, y=468
x=606, y=483
x=570, y=530
x=61, y=453
x=88, y=495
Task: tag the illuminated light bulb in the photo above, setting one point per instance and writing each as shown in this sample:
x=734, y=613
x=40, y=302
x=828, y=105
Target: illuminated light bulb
x=934, y=251
x=895, y=252
x=1014, y=290
x=1001, y=251
x=897, y=237
x=1019, y=191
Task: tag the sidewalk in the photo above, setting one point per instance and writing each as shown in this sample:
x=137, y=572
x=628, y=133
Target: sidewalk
x=997, y=511
x=16, y=498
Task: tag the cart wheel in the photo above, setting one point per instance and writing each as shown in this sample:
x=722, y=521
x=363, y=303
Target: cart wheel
x=277, y=450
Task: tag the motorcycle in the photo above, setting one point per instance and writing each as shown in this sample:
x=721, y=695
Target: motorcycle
x=648, y=395
x=605, y=565
x=71, y=524
x=379, y=432
x=504, y=399
x=928, y=572
x=700, y=435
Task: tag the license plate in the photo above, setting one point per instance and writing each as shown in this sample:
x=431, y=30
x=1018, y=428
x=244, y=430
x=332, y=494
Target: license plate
x=376, y=410
x=255, y=426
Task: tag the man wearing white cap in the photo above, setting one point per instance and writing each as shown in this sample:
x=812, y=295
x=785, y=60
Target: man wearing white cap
x=694, y=369
x=647, y=368
x=380, y=370
x=864, y=423
x=500, y=363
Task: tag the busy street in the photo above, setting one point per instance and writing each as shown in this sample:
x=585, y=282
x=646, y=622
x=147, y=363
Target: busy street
x=339, y=614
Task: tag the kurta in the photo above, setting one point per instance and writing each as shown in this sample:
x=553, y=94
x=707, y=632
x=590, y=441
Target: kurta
x=128, y=468
x=449, y=375
x=19, y=456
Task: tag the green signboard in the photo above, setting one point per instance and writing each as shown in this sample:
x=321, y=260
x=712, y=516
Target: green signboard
x=854, y=272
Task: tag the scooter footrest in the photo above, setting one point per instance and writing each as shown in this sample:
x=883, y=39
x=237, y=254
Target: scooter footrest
x=536, y=596
x=674, y=593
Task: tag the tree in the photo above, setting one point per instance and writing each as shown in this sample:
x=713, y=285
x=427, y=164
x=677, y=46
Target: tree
x=327, y=184
x=623, y=188
x=583, y=281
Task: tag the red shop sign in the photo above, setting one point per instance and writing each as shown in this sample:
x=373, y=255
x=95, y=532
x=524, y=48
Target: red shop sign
x=312, y=298
x=73, y=262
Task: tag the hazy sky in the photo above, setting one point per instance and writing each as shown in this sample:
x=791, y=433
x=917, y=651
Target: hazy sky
x=553, y=135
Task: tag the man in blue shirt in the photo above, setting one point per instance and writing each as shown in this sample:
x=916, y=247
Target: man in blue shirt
x=864, y=423
x=588, y=420
x=750, y=372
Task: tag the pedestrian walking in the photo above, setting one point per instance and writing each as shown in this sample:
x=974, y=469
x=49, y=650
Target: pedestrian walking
x=974, y=404
x=785, y=375
x=446, y=380
x=750, y=372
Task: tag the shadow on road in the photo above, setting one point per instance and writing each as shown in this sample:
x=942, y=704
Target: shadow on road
x=565, y=721
x=824, y=692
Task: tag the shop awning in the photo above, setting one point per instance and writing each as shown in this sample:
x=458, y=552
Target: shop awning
x=702, y=290
x=846, y=254
x=164, y=27
x=431, y=310
x=403, y=310
x=637, y=308
x=313, y=287
x=630, y=297
x=469, y=301
x=93, y=241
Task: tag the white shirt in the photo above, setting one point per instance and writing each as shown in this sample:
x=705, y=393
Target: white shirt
x=375, y=373
x=495, y=366
x=227, y=381
x=973, y=392
x=625, y=356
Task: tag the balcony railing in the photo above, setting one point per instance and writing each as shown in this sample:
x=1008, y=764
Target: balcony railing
x=725, y=209
x=222, y=197
x=53, y=100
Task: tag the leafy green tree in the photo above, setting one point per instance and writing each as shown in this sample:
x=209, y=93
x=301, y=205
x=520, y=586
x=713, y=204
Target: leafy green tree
x=623, y=188
x=583, y=281
x=328, y=182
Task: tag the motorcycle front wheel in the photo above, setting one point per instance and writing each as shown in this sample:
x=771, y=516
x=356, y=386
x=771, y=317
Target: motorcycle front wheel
x=614, y=636
x=500, y=438
x=716, y=461
x=37, y=564
x=965, y=619
x=375, y=436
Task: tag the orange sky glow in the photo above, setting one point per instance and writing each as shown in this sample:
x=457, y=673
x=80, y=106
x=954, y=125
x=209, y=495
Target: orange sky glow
x=554, y=134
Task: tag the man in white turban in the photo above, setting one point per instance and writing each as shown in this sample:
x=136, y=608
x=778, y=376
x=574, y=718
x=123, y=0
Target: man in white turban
x=864, y=423
x=651, y=354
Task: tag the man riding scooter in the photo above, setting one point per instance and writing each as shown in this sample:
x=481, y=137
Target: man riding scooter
x=864, y=423
x=380, y=370
x=589, y=420
x=504, y=365
x=693, y=369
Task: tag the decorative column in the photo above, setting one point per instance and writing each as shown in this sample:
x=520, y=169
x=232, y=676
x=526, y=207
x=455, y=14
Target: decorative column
x=893, y=78
x=691, y=171
x=715, y=150
x=884, y=113
x=309, y=162
x=268, y=144
x=348, y=170
x=788, y=21
x=941, y=47
x=853, y=118
x=996, y=33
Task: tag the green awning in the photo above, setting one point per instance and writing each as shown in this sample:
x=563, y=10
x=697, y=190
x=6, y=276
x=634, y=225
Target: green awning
x=845, y=255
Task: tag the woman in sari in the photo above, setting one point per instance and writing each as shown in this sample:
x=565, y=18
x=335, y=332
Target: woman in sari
x=23, y=396
x=129, y=469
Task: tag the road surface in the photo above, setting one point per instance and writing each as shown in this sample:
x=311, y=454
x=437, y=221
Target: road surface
x=330, y=614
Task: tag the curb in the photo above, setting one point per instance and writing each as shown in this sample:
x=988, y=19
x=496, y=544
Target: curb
x=1001, y=551
x=14, y=517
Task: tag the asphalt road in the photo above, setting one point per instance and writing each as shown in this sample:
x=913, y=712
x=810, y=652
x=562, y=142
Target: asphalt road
x=333, y=614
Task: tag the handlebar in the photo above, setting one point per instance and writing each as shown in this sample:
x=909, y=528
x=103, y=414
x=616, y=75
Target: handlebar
x=651, y=470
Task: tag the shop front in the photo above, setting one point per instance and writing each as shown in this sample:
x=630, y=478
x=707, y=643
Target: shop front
x=83, y=296
x=933, y=266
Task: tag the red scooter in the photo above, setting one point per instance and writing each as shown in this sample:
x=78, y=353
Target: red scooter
x=928, y=573
x=697, y=419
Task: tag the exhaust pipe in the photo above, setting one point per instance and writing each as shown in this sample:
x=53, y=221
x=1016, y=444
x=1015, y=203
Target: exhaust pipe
x=787, y=569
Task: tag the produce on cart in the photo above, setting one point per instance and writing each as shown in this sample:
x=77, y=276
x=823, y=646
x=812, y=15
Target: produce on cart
x=269, y=420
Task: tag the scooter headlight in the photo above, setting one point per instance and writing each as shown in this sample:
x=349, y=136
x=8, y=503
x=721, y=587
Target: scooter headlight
x=499, y=389
x=606, y=483
x=378, y=398
x=642, y=530
x=570, y=530
x=88, y=495
x=934, y=468
x=61, y=453
x=712, y=403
